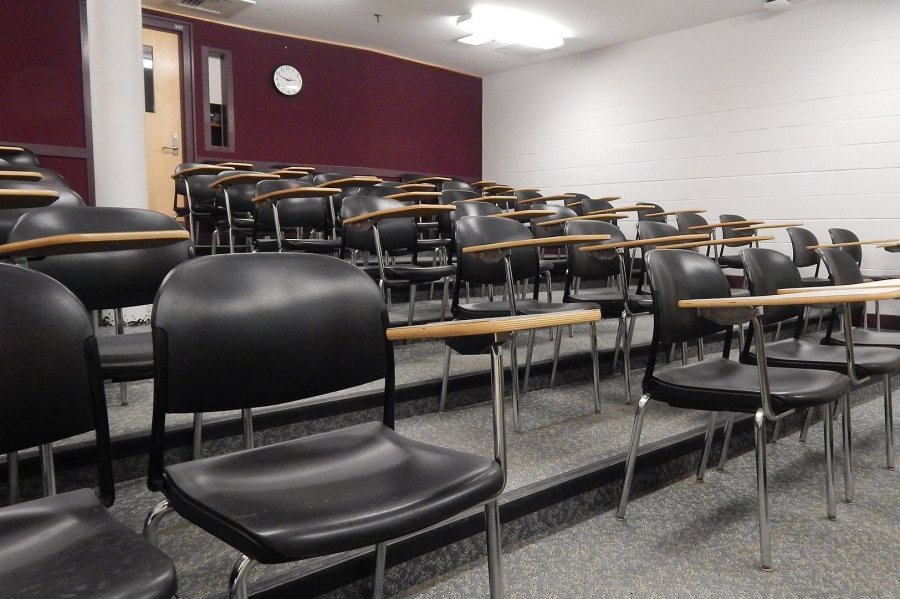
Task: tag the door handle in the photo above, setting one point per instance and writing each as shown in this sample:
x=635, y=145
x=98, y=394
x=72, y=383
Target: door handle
x=175, y=146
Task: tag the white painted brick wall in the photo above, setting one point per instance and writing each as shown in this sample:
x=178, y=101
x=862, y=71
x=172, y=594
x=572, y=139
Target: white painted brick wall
x=781, y=116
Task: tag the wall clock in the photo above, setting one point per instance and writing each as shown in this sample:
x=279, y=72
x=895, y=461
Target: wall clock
x=287, y=80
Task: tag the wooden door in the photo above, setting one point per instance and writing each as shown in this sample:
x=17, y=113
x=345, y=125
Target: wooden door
x=163, y=123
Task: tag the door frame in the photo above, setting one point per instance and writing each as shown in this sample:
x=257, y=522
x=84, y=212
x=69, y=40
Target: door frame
x=185, y=35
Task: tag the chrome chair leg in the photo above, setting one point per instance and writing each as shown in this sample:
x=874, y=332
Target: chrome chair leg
x=378, y=581
x=807, y=422
x=120, y=330
x=445, y=379
x=626, y=358
x=707, y=446
x=888, y=422
x=197, y=450
x=726, y=442
x=846, y=429
x=741, y=335
x=152, y=520
x=684, y=353
x=550, y=287
x=237, y=582
x=777, y=332
x=762, y=494
x=48, y=472
x=829, y=463
x=595, y=366
x=412, y=305
x=776, y=431
x=528, y=355
x=617, y=344
x=247, y=422
x=495, y=563
x=445, y=298
x=632, y=454
x=12, y=466
x=514, y=371
x=557, y=341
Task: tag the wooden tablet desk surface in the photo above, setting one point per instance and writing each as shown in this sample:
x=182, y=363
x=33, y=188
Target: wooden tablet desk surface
x=482, y=184
x=635, y=208
x=563, y=196
x=768, y=226
x=27, y=198
x=237, y=165
x=21, y=175
x=400, y=212
x=297, y=192
x=239, y=177
x=601, y=217
x=737, y=223
x=848, y=244
x=430, y=180
x=823, y=296
x=535, y=242
x=523, y=215
x=493, y=199
x=360, y=181
x=80, y=243
x=416, y=187
x=497, y=188
x=490, y=326
x=890, y=247
x=674, y=212
x=867, y=285
x=700, y=244
x=9, y=149
x=413, y=196
x=634, y=243
x=203, y=169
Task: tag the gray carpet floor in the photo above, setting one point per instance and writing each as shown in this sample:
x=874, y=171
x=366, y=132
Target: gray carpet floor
x=701, y=539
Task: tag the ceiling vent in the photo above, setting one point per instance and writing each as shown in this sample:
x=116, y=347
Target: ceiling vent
x=218, y=8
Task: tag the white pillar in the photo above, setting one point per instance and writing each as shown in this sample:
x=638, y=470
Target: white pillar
x=117, y=102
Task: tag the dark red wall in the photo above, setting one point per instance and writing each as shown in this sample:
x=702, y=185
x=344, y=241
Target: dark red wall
x=357, y=108
x=41, y=98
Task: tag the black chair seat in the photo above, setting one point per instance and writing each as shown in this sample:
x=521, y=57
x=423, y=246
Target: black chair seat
x=69, y=546
x=126, y=356
x=731, y=261
x=428, y=226
x=724, y=385
x=739, y=292
x=611, y=302
x=815, y=282
x=419, y=274
x=546, y=265
x=794, y=353
x=864, y=337
x=486, y=309
x=329, y=492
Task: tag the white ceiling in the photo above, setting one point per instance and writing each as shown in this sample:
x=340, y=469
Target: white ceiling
x=423, y=30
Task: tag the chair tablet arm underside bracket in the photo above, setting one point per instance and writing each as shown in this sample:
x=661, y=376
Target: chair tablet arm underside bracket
x=730, y=316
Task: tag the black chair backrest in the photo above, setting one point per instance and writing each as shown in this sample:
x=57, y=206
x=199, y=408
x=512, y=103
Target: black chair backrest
x=643, y=215
x=648, y=229
x=379, y=191
x=686, y=220
x=593, y=265
x=455, y=185
x=180, y=180
x=395, y=233
x=292, y=212
x=240, y=195
x=730, y=233
x=847, y=236
x=320, y=178
x=488, y=268
x=589, y=205
x=313, y=324
x=575, y=202
x=447, y=221
x=198, y=188
x=9, y=216
x=49, y=369
x=801, y=239
x=19, y=157
x=843, y=270
x=525, y=195
x=48, y=176
x=558, y=213
x=683, y=274
x=768, y=271
x=115, y=279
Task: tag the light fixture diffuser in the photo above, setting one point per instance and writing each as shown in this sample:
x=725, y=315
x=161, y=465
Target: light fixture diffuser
x=511, y=26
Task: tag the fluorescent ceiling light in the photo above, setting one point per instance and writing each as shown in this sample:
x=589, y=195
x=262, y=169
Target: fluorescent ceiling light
x=511, y=26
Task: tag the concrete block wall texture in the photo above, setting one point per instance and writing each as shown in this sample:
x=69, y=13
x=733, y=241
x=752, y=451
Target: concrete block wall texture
x=780, y=115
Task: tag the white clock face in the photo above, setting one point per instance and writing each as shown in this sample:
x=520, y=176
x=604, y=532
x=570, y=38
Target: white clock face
x=287, y=80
